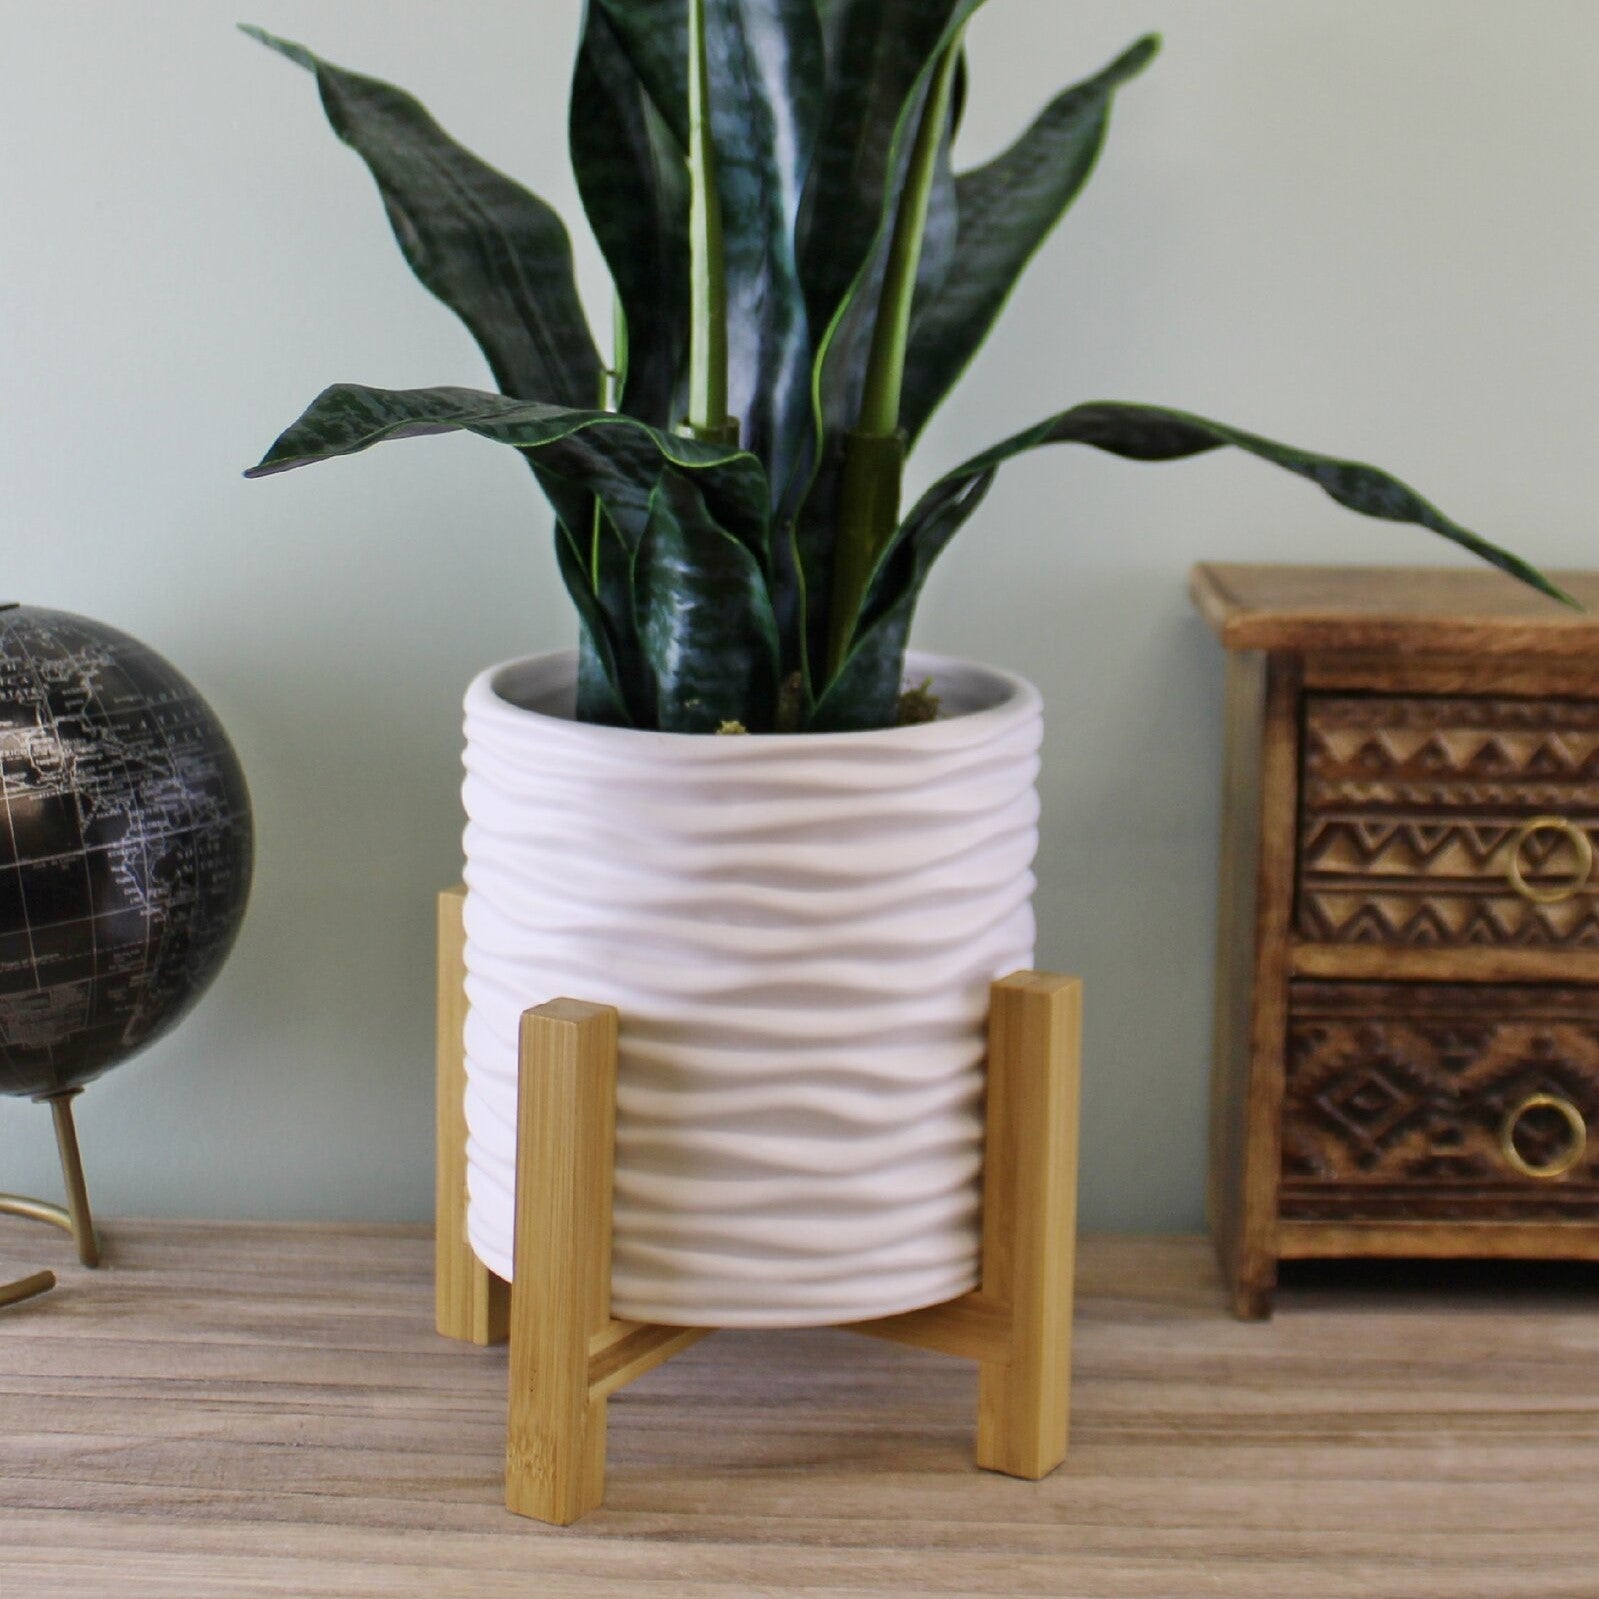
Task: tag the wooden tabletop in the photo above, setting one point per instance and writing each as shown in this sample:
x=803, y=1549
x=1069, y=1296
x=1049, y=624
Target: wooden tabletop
x=228, y=1412
x=1433, y=610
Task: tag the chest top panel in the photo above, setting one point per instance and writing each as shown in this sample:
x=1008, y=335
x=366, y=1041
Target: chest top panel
x=1372, y=609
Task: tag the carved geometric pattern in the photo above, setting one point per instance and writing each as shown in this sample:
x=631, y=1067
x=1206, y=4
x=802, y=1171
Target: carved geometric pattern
x=1410, y=812
x=1396, y=1093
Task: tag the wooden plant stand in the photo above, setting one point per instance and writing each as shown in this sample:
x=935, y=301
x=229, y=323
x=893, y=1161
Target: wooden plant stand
x=568, y=1353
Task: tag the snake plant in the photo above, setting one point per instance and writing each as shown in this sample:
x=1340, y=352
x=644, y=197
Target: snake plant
x=801, y=276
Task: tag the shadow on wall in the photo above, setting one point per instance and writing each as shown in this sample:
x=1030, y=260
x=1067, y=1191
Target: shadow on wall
x=1127, y=876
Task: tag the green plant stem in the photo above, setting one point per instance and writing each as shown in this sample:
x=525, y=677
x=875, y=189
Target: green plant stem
x=616, y=377
x=874, y=452
x=885, y=370
x=874, y=470
x=707, y=412
x=611, y=386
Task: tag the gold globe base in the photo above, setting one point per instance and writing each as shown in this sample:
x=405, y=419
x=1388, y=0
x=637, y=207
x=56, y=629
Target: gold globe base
x=75, y=1217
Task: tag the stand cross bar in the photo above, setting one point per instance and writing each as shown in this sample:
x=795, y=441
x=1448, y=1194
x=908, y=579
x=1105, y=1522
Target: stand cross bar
x=569, y=1354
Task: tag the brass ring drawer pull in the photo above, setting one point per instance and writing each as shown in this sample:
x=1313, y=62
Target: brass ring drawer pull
x=1580, y=843
x=1562, y=1163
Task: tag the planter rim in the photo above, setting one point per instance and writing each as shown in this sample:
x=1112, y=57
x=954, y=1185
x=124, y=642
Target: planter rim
x=1011, y=699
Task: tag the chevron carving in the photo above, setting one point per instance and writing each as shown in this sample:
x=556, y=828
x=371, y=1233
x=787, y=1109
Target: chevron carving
x=1410, y=813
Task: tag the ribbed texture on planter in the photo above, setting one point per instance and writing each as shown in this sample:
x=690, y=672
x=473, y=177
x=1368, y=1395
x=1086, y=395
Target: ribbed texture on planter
x=799, y=933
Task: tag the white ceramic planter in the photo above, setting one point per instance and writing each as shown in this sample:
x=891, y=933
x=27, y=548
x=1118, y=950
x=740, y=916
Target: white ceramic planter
x=799, y=933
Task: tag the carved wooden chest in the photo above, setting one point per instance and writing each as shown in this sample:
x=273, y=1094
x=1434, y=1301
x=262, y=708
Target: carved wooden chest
x=1407, y=988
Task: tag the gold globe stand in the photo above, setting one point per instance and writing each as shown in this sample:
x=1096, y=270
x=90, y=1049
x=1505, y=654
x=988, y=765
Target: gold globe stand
x=75, y=1217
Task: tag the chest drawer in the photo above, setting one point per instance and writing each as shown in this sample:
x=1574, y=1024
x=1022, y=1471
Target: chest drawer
x=1434, y=821
x=1450, y=1102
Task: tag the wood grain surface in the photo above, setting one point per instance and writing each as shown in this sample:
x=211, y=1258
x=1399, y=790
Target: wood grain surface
x=238, y=1412
x=1456, y=611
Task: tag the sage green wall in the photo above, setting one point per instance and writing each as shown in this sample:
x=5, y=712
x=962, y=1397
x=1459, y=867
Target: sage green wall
x=1364, y=225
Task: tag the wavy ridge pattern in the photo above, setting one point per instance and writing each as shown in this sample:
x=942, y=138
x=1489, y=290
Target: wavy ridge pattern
x=799, y=933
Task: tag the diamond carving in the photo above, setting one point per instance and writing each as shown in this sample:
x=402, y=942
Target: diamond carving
x=1398, y=1092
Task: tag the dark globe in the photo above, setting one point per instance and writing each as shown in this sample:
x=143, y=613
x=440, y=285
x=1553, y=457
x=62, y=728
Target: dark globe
x=125, y=848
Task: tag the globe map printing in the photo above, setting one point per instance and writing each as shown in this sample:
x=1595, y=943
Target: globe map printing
x=125, y=848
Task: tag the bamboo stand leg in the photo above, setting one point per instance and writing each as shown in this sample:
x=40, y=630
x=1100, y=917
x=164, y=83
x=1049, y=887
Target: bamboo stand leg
x=568, y=1353
x=470, y=1303
x=1030, y=1220
x=566, y=1136
x=1017, y=1325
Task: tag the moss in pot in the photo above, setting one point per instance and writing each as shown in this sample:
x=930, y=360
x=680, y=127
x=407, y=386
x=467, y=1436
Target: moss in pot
x=798, y=928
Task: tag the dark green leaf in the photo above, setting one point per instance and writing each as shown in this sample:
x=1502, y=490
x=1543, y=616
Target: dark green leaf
x=1006, y=211
x=840, y=379
x=599, y=701
x=498, y=256
x=654, y=36
x=631, y=175
x=614, y=682
x=863, y=693
x=766, y=68
x=617, y=458
x=1152, y=433
x=704, y=617
x=849, y=217
x=881, y=57
x=600, y=678
x=880, y=54
x=941, y=239
x=866, y=689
